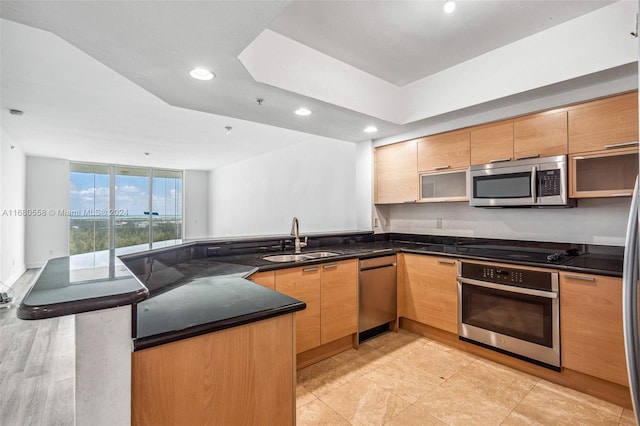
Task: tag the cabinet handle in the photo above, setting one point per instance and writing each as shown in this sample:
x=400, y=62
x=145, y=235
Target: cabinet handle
x=622, y=194
x=441, y=167
x=580, y=278
x=500, y=160
x=409, y=201
x=526, y=157
x=447, y=262
x=311, y=269
x=332, y=265
x=620, y=145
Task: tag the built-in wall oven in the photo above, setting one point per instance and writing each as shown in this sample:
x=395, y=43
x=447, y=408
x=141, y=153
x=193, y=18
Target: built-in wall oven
x=512, y=310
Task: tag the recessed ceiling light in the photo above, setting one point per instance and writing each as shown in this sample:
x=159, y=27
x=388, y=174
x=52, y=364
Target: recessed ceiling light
x=303, y=111
x=449, y=7
x=371, y=129
x=201, y=74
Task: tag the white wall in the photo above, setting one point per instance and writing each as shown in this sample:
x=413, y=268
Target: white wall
x=313, y=180
x=47, y=188
x=594, y=221
x=12, y=198
x=364, y=185
x=196, y=204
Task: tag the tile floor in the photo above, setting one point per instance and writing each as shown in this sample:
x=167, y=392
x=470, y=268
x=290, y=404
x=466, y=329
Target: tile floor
x=403, y=379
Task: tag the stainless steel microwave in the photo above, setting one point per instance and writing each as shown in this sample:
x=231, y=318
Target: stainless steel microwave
x=534, y=182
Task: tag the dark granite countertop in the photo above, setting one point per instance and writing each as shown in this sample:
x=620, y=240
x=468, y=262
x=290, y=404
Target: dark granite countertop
x=589, y=259
x=61, y=290
x=198, y=296
x=200, y=287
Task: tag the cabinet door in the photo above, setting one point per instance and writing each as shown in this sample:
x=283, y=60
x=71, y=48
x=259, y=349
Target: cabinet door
x=303, y=284
x=609, y=173
x=592, y=340
x=540, y=135
x=444, y=151
x=492, y=143
x=431, y=291
x=604, y=124
x=338, y=300
x=396, y=173
x=200, y=380
x=445, y=186
x=265, y=279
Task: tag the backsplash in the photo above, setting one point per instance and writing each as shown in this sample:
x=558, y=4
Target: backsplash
x=594, y=221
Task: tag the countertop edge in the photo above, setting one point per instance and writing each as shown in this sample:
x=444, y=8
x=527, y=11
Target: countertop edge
x=174, y=336
x=38, y=312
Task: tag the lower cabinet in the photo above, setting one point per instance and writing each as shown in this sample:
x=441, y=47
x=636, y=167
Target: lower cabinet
x=330, y=292
x=591, y=334
x=338, y=300
x=242, y=375
x=430, y=291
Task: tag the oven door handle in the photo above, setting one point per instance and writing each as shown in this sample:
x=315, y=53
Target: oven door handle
x=509, y=288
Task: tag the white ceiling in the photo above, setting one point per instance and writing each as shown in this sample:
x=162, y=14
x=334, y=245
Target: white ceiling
x=108, y=80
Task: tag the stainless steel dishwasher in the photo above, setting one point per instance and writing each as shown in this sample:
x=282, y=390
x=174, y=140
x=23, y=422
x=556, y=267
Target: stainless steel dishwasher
x=377, y=285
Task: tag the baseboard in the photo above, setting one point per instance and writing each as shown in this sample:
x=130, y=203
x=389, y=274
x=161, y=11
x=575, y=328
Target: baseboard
x=9, y=282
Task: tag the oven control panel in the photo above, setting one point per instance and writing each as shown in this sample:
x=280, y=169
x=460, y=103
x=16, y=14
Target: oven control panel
x=501, y=275
x=539, y=280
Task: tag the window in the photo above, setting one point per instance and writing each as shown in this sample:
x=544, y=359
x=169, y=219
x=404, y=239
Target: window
x=124, y=209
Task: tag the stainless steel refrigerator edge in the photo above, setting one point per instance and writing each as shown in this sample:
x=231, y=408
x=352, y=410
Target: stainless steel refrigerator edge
x=630, y=292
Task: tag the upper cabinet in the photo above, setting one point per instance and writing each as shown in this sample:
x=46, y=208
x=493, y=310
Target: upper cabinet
x=443, y=161
x=540, y=135
x=492, y=143
x=445, y=151
x=603, y=147
x=396, y=173
x=605, y=124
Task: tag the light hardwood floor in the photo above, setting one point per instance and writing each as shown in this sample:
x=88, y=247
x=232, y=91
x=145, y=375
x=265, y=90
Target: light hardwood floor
x=36, y=366
x=393, y=379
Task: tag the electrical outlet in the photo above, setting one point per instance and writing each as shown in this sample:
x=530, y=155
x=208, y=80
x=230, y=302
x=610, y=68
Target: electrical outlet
x=375, y=222
x=439, y=223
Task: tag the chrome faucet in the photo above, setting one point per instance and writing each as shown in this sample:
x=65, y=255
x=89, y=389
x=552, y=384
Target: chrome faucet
x=295, y=231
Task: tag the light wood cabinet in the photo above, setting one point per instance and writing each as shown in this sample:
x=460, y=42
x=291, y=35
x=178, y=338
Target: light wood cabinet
x=610, y=173
x=338, y=300
x=444, y=186
x=591, y=333
x=609, y=123
x=430, y=291
x=330, y=292
x=266, y=279
x=303, y=283
x=532, y=136
x=396, y=173
x=242, y=375
x=540, y=135
x=445, y=151
x=492, y=143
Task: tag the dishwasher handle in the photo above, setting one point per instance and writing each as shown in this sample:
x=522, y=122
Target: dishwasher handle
x=378, y=267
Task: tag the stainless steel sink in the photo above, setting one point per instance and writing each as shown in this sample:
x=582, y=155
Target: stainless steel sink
x=321, y=254
x=299, y=257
